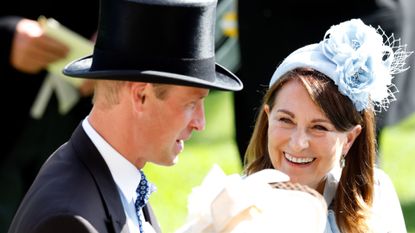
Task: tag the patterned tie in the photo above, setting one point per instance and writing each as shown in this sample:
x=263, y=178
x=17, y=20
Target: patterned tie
x=144, y=190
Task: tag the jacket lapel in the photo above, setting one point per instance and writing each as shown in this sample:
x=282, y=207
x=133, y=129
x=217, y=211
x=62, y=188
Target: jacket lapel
x=150, y=217
x=89, y=155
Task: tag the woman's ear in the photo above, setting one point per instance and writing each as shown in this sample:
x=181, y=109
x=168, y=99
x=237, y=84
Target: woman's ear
x=266, y=109
x=351, y=137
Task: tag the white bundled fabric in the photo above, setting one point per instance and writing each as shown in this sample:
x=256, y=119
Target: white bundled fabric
x=233, y=204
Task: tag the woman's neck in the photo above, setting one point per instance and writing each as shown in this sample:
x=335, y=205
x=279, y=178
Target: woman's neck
x=321, y=185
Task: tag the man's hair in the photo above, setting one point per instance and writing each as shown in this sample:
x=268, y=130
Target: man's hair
x=161, y=90
x=110, y=89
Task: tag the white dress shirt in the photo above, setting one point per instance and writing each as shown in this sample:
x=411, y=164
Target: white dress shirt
x=125, y=174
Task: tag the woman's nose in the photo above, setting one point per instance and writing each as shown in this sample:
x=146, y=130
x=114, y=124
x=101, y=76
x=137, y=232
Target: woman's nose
x=299, y=140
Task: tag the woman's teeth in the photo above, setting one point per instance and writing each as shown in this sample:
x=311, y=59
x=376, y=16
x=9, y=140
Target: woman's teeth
x=298, y=159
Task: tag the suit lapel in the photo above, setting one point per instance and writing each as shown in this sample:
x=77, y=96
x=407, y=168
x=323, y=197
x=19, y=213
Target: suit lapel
x=150, y=217
x=99, y=170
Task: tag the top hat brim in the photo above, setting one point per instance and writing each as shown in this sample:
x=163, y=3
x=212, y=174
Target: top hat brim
x=224, y=80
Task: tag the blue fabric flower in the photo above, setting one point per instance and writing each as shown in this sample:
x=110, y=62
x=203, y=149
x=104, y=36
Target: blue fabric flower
x=363, y=62
x=360, y=59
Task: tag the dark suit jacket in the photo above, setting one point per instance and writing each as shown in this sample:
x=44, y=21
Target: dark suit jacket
x=74, y=192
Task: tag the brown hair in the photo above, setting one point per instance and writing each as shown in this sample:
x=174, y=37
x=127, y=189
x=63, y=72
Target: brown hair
x=354, y=195
x=161, y=90
x=110, y=90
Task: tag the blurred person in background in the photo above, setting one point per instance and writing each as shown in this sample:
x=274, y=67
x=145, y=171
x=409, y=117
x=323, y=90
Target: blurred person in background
x=405, y=104
x=25, y=53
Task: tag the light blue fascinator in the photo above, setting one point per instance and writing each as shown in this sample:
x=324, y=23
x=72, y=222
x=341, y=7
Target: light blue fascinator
x=360, y=59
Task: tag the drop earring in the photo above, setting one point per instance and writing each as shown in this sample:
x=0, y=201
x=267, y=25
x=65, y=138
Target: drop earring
x=343, y=161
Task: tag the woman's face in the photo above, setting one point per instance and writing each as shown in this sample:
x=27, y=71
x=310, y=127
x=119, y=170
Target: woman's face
x=302, y=142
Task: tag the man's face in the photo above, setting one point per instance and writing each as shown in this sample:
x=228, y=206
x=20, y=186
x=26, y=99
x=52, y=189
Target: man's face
x=170, y=120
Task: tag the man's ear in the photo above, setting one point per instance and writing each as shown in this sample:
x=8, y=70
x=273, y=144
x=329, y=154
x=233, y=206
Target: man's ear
x=138, y=92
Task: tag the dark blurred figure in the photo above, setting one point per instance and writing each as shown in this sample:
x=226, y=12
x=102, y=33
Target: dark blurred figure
x=24, y=56
x=268, y=32
x=405, y=105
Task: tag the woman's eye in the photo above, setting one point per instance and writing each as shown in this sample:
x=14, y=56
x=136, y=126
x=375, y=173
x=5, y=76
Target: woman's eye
x=320, y=127
x=285, y=120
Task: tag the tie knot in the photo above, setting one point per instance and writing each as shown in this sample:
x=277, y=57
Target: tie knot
x=144, y=190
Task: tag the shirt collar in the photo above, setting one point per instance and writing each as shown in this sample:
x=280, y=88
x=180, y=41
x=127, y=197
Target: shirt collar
x=125, y=174
x=332, y=181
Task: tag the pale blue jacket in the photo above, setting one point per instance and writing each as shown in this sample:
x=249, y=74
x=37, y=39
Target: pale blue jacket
x=387, y=213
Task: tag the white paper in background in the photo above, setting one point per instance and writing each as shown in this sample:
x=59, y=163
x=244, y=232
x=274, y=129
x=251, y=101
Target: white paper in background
x=78, y=45
x=66, y=88
x=66, y=94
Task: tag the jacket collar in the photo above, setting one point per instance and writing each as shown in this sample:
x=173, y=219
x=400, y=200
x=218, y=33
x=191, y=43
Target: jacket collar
x=89, y=155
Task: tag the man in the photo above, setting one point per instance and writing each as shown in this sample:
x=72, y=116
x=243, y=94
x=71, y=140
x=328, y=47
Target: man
x=156, y=59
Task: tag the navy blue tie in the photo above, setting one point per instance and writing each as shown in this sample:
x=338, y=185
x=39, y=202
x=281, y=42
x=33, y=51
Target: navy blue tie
x=144, y=190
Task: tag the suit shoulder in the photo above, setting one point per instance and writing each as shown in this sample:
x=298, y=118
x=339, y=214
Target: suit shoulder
x=65, y=224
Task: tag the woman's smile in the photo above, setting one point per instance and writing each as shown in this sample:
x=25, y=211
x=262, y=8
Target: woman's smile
x=298, y=160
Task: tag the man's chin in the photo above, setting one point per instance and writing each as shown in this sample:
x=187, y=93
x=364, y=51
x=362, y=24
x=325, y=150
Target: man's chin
x=175, y=160
x=170, y=162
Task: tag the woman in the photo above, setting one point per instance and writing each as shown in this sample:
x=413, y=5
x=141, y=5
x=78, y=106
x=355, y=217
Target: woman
x=317, y=125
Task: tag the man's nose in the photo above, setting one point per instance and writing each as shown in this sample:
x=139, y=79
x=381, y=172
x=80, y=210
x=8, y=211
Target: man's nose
x=198, y=122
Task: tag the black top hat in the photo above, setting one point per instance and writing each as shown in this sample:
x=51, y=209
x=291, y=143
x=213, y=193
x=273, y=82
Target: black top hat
x=170, y=41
